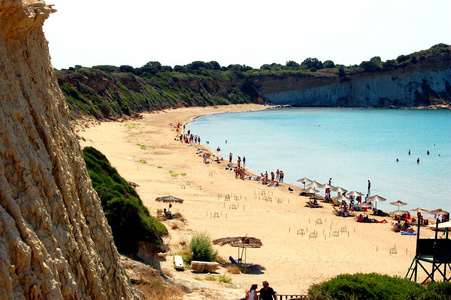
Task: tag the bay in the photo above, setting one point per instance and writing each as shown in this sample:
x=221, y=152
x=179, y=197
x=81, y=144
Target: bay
x=349, y=145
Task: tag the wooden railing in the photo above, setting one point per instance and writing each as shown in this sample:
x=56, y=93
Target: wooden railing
x=291, y=297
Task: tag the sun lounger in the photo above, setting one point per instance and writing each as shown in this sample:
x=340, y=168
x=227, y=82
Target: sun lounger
x=178, y=262
x=204, y=266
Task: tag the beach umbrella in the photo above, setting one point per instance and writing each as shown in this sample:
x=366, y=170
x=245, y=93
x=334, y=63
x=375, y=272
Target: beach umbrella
x=398, y=203
x=343, y=198
x=438, y=212
x=354, y=194
x=398, y=212
x=420, y=210
x=311, y=191
x=314, y=184
x=304, y=180
x=339, y=190
x=376, y=198
x=242, y=242
x=365, y=206
x=169, y=199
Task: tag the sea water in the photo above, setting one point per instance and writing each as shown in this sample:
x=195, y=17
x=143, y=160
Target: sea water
x=349, y=145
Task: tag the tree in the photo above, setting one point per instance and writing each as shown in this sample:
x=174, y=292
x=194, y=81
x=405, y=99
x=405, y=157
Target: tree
x=328, y=64
x=312, y=64
x=292, y=64
x=126, y=69
x=213, y=65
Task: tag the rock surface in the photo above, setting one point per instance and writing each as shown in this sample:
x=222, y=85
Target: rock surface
x=55, y=242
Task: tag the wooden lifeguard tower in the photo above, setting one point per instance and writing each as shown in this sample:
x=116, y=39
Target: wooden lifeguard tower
x=433, y=256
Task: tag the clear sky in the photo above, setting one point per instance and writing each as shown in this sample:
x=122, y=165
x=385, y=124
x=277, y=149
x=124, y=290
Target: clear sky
x=246, y=32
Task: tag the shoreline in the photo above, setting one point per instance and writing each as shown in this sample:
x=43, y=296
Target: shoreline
x=292, y=258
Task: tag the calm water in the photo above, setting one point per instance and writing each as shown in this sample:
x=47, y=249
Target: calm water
x=351, y=146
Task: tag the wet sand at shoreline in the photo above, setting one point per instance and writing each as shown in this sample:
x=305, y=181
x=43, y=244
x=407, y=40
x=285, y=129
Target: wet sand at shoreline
x=301, y=245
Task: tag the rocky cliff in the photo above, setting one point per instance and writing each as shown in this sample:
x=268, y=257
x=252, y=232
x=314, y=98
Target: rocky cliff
x=55, y=242
x=422, y=84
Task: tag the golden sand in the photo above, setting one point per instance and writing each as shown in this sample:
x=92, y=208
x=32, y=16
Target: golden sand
x=301, y=245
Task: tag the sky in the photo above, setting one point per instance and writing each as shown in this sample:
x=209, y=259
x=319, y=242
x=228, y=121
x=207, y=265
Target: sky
x=245, y=32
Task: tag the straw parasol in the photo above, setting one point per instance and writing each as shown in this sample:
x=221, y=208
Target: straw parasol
x=242, y=242
x=169, y=199
x=399, y=212
x=354, y=194
x=339, y=189
x=304, y=180
x=438, y=212
x=398, y=203
x=420, y=210
x=376, y=198
x=314, y=184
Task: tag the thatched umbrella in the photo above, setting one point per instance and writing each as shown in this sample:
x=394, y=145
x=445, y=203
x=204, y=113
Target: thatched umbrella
x=243, y=242
x=170, y=199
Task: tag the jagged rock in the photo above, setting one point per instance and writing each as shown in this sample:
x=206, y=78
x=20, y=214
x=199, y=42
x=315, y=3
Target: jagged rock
x=55, y=242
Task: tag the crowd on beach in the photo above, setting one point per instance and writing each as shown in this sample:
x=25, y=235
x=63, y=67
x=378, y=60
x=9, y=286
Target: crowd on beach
x=344, y=205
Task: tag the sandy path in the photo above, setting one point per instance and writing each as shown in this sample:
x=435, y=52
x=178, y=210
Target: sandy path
x=144, y=151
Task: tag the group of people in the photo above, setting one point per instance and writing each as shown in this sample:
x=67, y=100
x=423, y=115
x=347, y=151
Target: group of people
x=189, y=138
x=265, y=293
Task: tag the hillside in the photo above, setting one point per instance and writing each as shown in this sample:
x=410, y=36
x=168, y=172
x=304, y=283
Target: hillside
x=420, y=79
x=55, y=242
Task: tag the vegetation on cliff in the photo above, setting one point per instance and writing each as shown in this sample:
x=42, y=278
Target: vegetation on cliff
x=109, y=92
x=129, y=219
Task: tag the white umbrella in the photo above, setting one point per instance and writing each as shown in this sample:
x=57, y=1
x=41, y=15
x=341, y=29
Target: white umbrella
x=376, y=198
x=354, y=194
x=304, y=180
x=314, y=184
x=339, y=190
x=311, y=191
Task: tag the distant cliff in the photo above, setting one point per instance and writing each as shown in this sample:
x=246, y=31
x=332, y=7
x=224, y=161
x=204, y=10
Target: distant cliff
x=426, y=83
x=55, y=242
x=421, y=79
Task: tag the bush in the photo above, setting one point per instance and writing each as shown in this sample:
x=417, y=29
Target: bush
x=437, y=290
x=366, y=286
x=201, y=248
x=129, y=219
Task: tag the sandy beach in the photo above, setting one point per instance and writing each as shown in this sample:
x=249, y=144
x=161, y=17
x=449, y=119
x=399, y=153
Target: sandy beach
x=301, y=245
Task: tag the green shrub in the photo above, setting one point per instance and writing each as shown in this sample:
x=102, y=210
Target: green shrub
x=201, y=248
x=129, y=219
x=366, y=286
x=437, y=290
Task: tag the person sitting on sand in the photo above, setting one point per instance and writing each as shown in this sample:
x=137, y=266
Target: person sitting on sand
x=360, y=218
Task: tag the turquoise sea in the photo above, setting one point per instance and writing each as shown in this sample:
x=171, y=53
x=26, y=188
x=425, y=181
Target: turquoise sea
x=349, y=145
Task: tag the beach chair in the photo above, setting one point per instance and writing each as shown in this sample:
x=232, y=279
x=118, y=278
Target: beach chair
x=335, y=202
x=178, y=262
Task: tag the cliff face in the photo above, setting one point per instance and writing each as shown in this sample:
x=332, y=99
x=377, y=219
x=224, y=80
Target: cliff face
x=422, y=84
x=55, y=242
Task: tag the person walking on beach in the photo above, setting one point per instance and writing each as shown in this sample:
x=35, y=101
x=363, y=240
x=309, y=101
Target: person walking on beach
x=266, y=292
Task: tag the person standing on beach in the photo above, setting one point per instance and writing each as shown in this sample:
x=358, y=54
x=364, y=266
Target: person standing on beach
x=244, y=161
x=230, y=157
x=266, y=292
x=369, y=187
